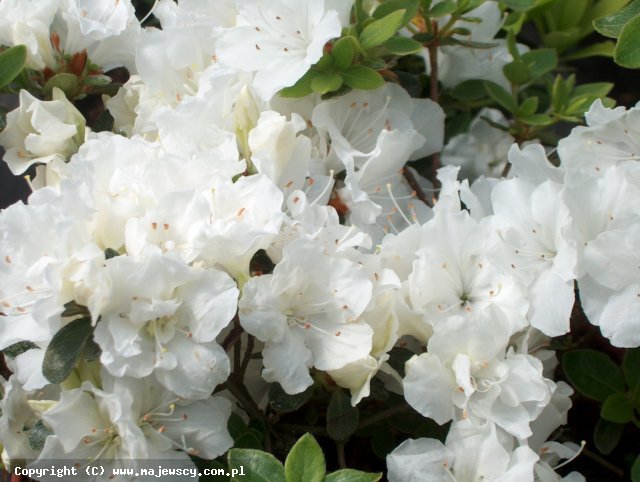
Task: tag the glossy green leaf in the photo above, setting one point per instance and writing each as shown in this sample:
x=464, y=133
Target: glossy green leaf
x=389, y=6
x=500, y=96
x=520, y=5
x=256, y=465
x=601, y=49
x=302, y=87
x=282, y=402
x=593, y=373
x=540, y=61
x=362, y=77
x=343, y=52
x=528, y=107
x=305, y=462
x=12, y=62
x=627, y=53
x=617, y=408
x=537, y=119
x=611, y=25
x=606, y=435
x=236, y=426
x=443, y=8
x=381, y=30
x=342, y=418
x=65, y=348
x=402, y=45
x=326, y=82
x=469, y=90
x=248, y=440
x=631, y=368
x=517, y=72
x=19, y=348
x=350, y=475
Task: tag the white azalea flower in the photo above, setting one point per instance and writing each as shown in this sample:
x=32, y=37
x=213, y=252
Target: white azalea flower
x=279, y=40
x=307, y=313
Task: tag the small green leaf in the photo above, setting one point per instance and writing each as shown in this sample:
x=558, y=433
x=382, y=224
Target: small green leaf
x=562, y=39
x=110, y=253
x=631, y=368
x=92, y=350
x=104, y=123
x=501, y=96
x=381, y=30
x=67, y=83
x=363, y=78
x=94, y=80
x=350, y=475
x=343, y=52
x=635, y=470
x=537, y=119
x=520, y=5
x=389, y=6
x=443, y=8
x=399, y=45
x=469, y=90
x=528, y=107
x=282, y=402
x=37, y=435
x=611, y=25
x=593, y=373
x=601, y=49
x=617, y=408
x=326, y=82
x=74, y=309
x=256, y=465
x=19, y=348
x=65, y=349
x=301, y=88
x=236, y=426
x=627, y=53
x=305, y=462
x=342, y=418
x=606, y=435
x=517, y=72
x=540, y=61
x=248, y=440
x=12, y=62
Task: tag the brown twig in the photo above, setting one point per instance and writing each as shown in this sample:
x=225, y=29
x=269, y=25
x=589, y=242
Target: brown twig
x=372, y=420
x=415, y=187
x=342, y=459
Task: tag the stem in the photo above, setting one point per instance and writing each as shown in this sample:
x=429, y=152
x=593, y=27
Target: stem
x=245, y=400
x=602, y=461
x=342, y=460
x=234, y=334
x=382, y=415
x=432, y=47
x=413, y=184
x=247, y=357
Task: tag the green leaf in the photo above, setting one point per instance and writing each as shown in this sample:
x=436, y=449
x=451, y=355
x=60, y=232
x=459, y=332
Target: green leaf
x=236, y=426
x=94, y=80
x=606, y=435
x=617, y=408
x=601, y=49
x=631, y=368
x=11, y=64
x=402, y=45
x=540, y=61
x=611, y=25
x=520, y=5
x=537, y=119
x=65, y=349
x=256, y=465
x=469, y=90
x=326, y=82
x=282, y=402
x=110, y=252
x=627, y=53
x=248, y=440
x=305, y=462
x=19, y=348
x=67, y=83
x=517, y=72
x=635, y=470
x=301, y=88
x=528, y=107
x=562, y=39
x=385, y=8
x=350, y=475
x=379, y=31
x=92, y=350
x=342, y=418
x=501, y=96
x=104, y=123
x=37, y=435
x=363, y=78
x=443, y=8
x=593, y=373
x=343, y=52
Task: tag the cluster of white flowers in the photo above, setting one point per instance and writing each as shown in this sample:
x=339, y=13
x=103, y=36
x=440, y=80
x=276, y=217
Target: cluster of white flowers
x=153, y=230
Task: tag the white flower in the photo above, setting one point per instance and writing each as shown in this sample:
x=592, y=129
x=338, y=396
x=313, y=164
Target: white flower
x=307, y=313
x=280, y=40
x=41, y=131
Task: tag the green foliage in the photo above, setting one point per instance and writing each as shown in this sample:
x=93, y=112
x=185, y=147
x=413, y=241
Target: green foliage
x=350, y=475
x=635, y=470
x=282, y=402
x=593, y=374
x=19, y=348
x=612, y=25
x=12, y=61
x=627, y=52
x=606, y=435
x=37, y=435
x=256, y=465
x=65, y=349
x=305, y=462
x=342, y=418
